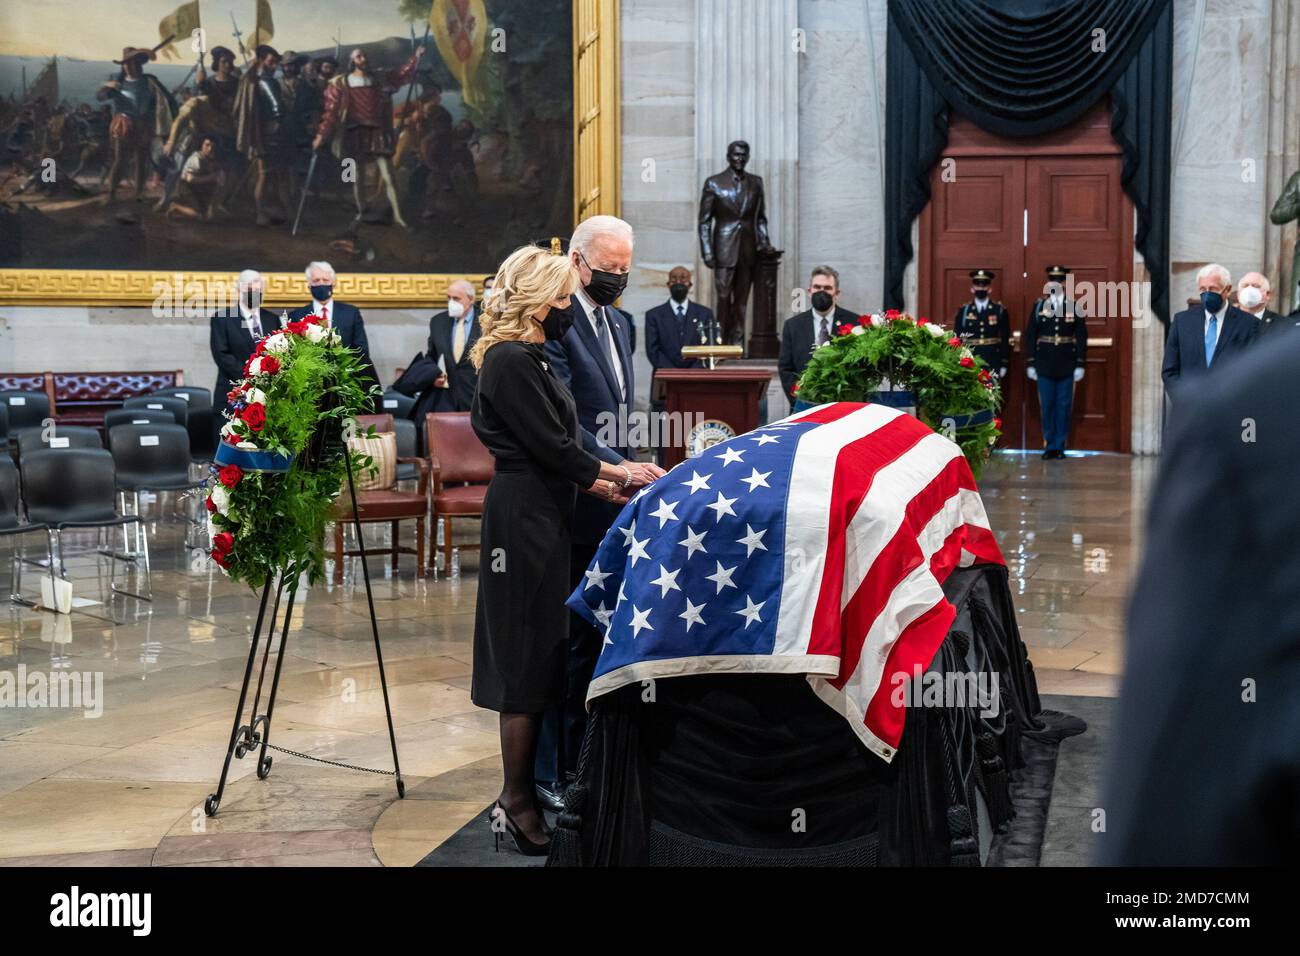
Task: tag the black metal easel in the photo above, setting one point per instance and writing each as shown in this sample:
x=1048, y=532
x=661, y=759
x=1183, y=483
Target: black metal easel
x=257, y=732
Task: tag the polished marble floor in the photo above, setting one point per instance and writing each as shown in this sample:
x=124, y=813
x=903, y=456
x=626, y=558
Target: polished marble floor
x=128, y=786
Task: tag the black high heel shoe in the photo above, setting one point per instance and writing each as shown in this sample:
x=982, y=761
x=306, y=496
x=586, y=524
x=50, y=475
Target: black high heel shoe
x=524, y=845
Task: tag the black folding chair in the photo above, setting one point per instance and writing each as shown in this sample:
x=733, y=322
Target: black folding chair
x=12, y=524
x=74, y=488
x=135, y=416
x=66, y=436
x=179, y=408
x=199, y=420
x=155, y=458
x=404, y=429
x=396, y=404
x=25, y=410
x=4, y=424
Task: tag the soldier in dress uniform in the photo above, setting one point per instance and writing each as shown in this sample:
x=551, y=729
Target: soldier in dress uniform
x=1056, y=343
x=984, y=326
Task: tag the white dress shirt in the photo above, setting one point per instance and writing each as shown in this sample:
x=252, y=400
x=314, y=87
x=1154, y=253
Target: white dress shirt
x=589, y=308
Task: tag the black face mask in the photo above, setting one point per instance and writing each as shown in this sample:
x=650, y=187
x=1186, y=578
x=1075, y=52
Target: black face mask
x=322, y=293
x=252, y=301
x=604, y=287
x=678, y=291
x=822, y=301
x=557, y=323
x=981, y=294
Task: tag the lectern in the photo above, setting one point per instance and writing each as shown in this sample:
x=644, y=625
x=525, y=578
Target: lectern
x=711, y=405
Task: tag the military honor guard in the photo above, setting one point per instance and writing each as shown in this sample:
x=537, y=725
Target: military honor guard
x=1056, y=343
x=983, y=324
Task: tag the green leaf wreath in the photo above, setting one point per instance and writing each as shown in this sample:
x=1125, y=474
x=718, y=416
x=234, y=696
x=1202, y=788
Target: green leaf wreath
x=891, y=349
x=301, y=392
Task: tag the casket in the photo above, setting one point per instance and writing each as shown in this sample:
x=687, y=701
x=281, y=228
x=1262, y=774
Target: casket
x=811, y=658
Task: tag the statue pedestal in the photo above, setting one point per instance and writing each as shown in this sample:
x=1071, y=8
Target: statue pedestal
x=764, y=340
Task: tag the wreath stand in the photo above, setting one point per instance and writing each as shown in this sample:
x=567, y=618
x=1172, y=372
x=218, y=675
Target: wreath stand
x=257, y=732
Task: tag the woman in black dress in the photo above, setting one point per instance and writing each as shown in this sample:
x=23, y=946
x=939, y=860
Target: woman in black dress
x=527, y=419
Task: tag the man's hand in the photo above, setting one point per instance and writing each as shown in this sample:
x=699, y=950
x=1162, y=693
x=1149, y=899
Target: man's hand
x=1032, y=373
x=1078, y=374
x=317, y=142
x=1002, y=372
x=440, y=381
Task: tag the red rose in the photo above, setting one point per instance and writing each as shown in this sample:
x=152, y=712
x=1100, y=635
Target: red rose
x=955, y=342
x=212, y=509
x=230, y=475
x=297, y=328
x=795, y=390
x=922, y=321
x=997, y=423
x=864, y=321
x=270, y=365
x=845, y=329
x=254, y=416
x=222, y=544
x=892, y=314
x=967, y=361
x=984, y=375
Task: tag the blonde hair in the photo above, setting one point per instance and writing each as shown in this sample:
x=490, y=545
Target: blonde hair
x=523, y=286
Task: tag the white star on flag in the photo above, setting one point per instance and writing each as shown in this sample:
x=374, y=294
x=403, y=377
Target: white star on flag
x=622, y=593
x=596, y=577
x=692, y=615
x=753, y=540
x=756, y=479
x=750, y=611
x=603, y=614
x=666, y=512
x=667, y=581
x=693, y=542
x=722, y=506
x=767, y=440
x=722, y=577
x=641, y=621
x=698, y=482
x=731, y=455
x=637, y=550
x=629, y=533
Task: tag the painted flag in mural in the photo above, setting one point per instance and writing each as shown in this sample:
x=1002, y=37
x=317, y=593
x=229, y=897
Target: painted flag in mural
x=180, y=25
x=817, y=545
x=264, y=25
x=459, y=30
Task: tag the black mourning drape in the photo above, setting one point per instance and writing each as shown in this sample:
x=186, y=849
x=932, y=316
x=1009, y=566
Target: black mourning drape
x=1024, y=68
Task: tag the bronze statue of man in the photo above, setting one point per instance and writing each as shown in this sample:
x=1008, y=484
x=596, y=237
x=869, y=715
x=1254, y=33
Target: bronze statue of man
x=733, y=231
x=1285, y=209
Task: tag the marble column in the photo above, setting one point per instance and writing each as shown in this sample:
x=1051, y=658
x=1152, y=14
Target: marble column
x=747, y=87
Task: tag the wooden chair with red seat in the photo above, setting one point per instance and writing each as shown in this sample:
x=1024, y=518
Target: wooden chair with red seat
x=461, y=468
x=384, y=504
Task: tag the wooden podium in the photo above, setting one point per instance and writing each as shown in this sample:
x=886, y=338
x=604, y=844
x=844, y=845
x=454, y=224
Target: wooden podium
x=717, y=403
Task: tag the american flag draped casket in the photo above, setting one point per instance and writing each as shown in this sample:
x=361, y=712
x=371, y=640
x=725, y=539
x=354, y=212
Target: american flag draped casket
x=817, y=545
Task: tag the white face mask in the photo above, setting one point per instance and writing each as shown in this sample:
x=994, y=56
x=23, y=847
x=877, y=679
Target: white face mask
x=1250, y=297
x=455, y=309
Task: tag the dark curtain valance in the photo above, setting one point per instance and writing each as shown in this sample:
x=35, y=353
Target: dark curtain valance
x=1025, y=68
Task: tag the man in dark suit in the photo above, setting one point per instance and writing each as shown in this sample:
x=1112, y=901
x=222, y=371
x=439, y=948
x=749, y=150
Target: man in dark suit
x=594, y=359
x=1204, y=767
x=451, y=334
x=1056, y=356
x=807, y=330
x=232, y=335
x=1254, y=295
x=1206, y=337
x=340, y=316
x=676, y=323
x=733, y=231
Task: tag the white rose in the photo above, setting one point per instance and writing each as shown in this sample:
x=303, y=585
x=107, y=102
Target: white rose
x=317, y=333
x=858, y=330
x=255, y=367
x=246, y=446
x=938, y=331
x=967, y=353
x=278, y=343
x=221, y=498
x=255, y=396
x=877, y=319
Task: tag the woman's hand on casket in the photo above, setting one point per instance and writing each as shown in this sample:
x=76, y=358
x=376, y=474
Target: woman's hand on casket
x=643, y=473
x=607, y=490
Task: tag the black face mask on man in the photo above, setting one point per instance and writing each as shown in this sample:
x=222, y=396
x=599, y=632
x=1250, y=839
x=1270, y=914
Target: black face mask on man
x=822, y=301
x=322, y=293
x=557, y=323
x=678, y=291
x=604, y=287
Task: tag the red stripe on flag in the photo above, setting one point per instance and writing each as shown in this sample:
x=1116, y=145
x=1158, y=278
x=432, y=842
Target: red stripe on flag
x=915, y=647
x=899, y=558
x=855, y=469
x=831, y=413
x=981, y=543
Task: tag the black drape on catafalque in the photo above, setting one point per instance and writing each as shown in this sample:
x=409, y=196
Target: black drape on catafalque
x=1025, y=68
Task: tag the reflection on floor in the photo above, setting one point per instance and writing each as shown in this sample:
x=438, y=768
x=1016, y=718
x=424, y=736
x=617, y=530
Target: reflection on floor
x=128, y=786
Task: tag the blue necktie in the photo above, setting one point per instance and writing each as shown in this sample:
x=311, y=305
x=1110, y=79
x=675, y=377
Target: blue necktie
x=1211, y=336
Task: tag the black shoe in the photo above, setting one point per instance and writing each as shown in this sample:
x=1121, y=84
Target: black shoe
x=524, y=845
x=1059, y=455
x=550, y=794
x=1048, y=455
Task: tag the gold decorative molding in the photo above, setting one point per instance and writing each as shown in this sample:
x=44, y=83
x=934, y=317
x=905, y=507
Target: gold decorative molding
x=596, y=189
x=163, y=289
x=597, y=108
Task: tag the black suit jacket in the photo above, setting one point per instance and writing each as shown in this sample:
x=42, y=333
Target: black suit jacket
x=346, y=320
x=1203, y=771
x=663, y=340
x=1185, y=347
x=461, y=376
x=231, y=346
x=733, y=218
x=797, y=339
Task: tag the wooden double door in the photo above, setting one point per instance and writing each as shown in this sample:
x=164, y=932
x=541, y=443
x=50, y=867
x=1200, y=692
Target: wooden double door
x=1016, y=207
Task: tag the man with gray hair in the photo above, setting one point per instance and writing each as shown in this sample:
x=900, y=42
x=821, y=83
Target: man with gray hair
x=233, y=333
x=1205, y=337
x=451, y=334
x=340, y=316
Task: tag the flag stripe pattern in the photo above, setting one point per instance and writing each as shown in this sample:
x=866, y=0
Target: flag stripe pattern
x=817, y=545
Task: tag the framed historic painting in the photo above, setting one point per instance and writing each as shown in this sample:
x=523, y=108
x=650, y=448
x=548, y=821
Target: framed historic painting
x=151, y=148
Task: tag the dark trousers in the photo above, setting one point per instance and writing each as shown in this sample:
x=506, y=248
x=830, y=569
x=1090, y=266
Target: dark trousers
x=1055, y=396
x=732, y=286
x=560, y=737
